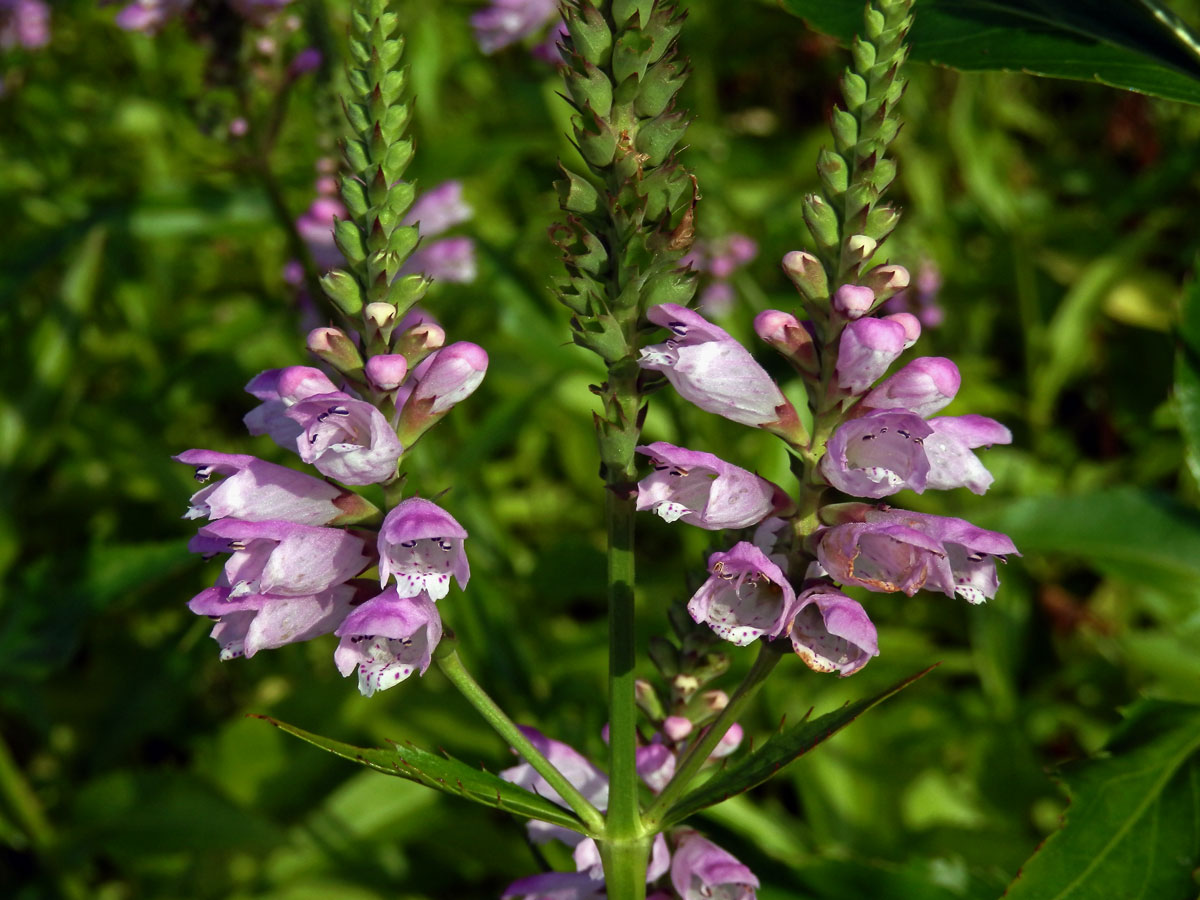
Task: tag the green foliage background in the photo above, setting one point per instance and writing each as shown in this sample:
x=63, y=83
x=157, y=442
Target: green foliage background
x=140, y=289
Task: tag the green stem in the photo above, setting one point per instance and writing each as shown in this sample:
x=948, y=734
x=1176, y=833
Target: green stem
x=623, y=820
x=769, y=653
x=452, y=667
x=625, y=867
x=22, y=803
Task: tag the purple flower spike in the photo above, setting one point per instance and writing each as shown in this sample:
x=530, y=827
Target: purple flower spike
x=831, y=632
x=281, y=558
x=451, y=259
x=868, y=347
x=439, y=209
x=508, y=21
x=878, y=454
x=745, y=597
x=256, y=622
x=881, y=556
x=951, y=462
x=853, y=301
x=422, y=545
x=258, y=491
x=712, y=370
x=969, y=567
x=388, y=638
x=701, y=870
x=704, y=490
x=279, y=390
x=346, y=439
x=924, y=386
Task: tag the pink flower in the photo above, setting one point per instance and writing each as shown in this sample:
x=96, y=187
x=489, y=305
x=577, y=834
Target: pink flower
x=745, y=597
x=422, y=546
x=831, y=632
x=701, y=870
x=258, y=491
x=253, y=622
x=387, y=639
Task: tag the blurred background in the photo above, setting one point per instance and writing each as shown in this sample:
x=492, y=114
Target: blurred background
x=147, y=182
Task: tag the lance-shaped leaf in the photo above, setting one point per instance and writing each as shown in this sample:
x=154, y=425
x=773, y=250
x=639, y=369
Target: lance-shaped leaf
x=1133, y=826
x=785, y=747
x=445, y=774
x=1138, y=45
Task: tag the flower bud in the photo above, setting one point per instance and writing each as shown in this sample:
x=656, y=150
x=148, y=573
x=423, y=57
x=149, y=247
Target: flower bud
x=861, y=247
x=676, y=727
x=386, y=372
x=452, y=375
x=853, y=301
x=335, y=347
x=807, y=273
x=789, y=336
x=419, y=341
x=886, y=280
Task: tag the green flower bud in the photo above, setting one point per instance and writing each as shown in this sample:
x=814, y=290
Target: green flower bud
x=344, y=290
x=822, y=222
x=658, y=137
x=590, y=37
x=576, y=193
x=624, y=10
x=631, y=55
x=350, y=241
x=597, y=147
x=660, y=84
x=834, y=173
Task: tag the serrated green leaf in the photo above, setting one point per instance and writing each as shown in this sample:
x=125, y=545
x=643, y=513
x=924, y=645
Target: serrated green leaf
x=443, y=773
x=1136, y=45
x=780, y=750
x=1187, y=376
x=1133, y=826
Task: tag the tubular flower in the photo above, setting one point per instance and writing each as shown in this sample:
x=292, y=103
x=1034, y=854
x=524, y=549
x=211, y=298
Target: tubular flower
x=700, y=870
x=257, y=491
x=345, y=438
x=387, y=639
x=968, y=569
x=745, y=597
x=704, y=490
x=925, y=386
x=439, y=383
x=712, y=370
x=881, y=556
x=951, y=462
x=831, y=632
x=878, y=454
x=869, y=346
x=282, y=558
x=253, y=622
x=422, y=545
x=279, y=390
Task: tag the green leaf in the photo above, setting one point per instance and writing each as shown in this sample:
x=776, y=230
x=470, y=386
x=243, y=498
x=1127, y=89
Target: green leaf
x=1137, y=45
x=1137, y=535
x=444, y=774
x=1187, y=375
x=1133, y=826
x=781, y=749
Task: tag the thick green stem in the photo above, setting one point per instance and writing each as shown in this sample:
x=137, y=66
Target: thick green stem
x=769, y=653
x=452, y=667
x=625, y=867
x=623, y=819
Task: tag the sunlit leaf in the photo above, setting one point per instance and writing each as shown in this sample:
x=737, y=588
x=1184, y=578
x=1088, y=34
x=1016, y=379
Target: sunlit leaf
x=1133, y=826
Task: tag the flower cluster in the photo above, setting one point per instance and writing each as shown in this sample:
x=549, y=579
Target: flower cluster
x=298, y=543
x=682, y=865
x=871, y=437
